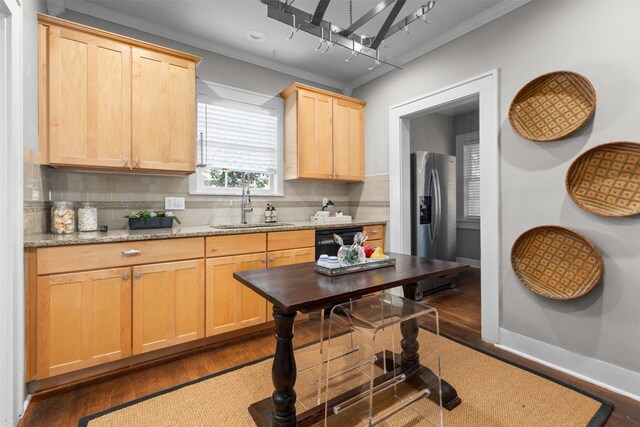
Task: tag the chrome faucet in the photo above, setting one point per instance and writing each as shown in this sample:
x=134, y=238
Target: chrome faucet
x=246, y=197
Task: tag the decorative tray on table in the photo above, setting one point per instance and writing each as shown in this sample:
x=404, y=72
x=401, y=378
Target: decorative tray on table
x=369, y=264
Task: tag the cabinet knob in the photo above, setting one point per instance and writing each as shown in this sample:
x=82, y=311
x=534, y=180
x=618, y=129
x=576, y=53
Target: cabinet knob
x=272, y=258
x=264, y=260
x=125, y=276
x=125, y=161
x=136, y=161
x=138, y=275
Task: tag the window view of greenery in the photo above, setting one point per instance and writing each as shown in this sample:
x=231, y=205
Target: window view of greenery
x=218, y=178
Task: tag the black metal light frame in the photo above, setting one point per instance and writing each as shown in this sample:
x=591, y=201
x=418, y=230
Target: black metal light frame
x=331, y=34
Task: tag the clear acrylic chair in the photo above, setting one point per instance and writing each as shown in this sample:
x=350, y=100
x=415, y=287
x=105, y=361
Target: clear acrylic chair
x=368, y=358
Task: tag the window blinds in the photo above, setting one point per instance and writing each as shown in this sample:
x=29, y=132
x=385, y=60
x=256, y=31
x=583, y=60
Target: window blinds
x=237, y=138
x=471, y=162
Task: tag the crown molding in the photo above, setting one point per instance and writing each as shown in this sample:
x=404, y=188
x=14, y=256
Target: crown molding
x=477, y=21
x=103, y=13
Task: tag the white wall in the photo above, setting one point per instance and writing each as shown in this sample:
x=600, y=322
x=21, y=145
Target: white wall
x=600, y=40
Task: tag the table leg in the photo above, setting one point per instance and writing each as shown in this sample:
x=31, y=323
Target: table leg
x=283, y=372
x=410, y=357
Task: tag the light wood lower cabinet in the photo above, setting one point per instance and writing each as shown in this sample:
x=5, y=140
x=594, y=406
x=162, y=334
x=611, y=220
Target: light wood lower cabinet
x=168, y=304
x=289, y=257
x=83, y=319
x=230, y=304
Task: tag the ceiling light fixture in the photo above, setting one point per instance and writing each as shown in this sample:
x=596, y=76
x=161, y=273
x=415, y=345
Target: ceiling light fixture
x=256, y=36
x=331, y=34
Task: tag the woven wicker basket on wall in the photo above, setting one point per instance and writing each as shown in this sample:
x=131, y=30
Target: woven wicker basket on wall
x=605, y=180
x=556, y=262
x=552, y=106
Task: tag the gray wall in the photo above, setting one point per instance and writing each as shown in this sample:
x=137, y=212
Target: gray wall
x=599, y=40
x=213, y=67
x=432, y=132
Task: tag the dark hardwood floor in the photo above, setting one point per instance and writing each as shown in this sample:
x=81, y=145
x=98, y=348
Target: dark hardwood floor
x=459, y=310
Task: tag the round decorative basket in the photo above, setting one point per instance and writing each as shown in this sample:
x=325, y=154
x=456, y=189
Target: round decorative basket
x=556, y=262
x=605, y=180
x=552, y=106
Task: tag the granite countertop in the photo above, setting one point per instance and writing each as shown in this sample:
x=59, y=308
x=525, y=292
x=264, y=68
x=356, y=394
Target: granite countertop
x=48, y=239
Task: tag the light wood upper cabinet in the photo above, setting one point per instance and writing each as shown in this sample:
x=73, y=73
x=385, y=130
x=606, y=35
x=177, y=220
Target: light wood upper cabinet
x=112, y=102
x=315, y=151
x=168, y=304
x=324, y=135
x=348, y=140
x=230, y=304
x=83, y=319
x=164, y=125
x=89, y=99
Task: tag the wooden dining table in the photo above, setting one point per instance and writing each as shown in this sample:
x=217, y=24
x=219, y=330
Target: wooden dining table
x=299, y=287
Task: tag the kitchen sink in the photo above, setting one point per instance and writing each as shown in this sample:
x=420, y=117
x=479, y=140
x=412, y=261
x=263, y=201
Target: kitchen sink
x=240, y=226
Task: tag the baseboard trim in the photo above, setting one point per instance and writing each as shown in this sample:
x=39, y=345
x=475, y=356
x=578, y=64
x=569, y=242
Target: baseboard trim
x=603, y=374
x=472, y=262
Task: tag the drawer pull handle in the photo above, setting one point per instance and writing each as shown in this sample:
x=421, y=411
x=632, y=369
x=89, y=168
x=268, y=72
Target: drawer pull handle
x=374, y=231
x=138, y=275
x=125, y=276
x=131, y=252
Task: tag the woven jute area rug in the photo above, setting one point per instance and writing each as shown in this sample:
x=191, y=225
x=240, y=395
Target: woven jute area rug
x=494, y=392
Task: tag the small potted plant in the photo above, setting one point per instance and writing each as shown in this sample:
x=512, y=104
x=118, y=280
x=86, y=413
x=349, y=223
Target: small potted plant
x=149, y=219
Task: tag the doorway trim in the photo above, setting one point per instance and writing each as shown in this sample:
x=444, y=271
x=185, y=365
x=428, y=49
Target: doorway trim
x=485, y=87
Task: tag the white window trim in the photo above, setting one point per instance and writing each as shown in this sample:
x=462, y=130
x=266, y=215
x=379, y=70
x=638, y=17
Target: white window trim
x=462, y=221
x=214, y=90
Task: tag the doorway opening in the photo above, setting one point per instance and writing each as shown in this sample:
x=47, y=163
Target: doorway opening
x=445, y=204
x=440, y=202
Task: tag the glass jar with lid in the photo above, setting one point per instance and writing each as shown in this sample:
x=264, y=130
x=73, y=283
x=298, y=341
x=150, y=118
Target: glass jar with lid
x=88, y=216
x=63, y=218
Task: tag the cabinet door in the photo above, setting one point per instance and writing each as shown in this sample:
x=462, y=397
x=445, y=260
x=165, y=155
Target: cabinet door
x=164, y=100
x=168, y=304
x=289, y=257
x=84, y=319
x=252, y=308
x=230, y=304
x=348, y=140
x=315, y=152
x=89, y=100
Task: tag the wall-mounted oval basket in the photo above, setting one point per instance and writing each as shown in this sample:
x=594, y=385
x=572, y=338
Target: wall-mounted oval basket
x=605, y=180
x=556, y=262
x=552, y=106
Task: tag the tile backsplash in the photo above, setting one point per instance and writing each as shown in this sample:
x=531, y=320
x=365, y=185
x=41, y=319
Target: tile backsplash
x=119, y=193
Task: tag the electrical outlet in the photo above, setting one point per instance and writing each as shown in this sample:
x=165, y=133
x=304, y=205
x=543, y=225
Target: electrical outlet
x=174, y=203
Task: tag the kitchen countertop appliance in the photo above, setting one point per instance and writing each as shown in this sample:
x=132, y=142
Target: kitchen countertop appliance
x=325, y=244
x=433, y=212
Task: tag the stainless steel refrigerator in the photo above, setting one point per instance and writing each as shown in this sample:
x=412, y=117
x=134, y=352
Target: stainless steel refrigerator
x=433, y=212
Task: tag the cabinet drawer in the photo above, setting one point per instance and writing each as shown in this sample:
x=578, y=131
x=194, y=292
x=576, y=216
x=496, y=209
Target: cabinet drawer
x=375, y=244
x=236, y=244
x=280, y=240
x=104, y=255
x=375, y=232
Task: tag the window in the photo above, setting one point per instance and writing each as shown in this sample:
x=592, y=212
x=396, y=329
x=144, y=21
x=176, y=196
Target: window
x=471, y=179
x=238, y=132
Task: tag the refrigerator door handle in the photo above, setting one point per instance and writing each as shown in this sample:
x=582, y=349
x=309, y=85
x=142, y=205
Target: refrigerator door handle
x=434, y=207
x=438, y=190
